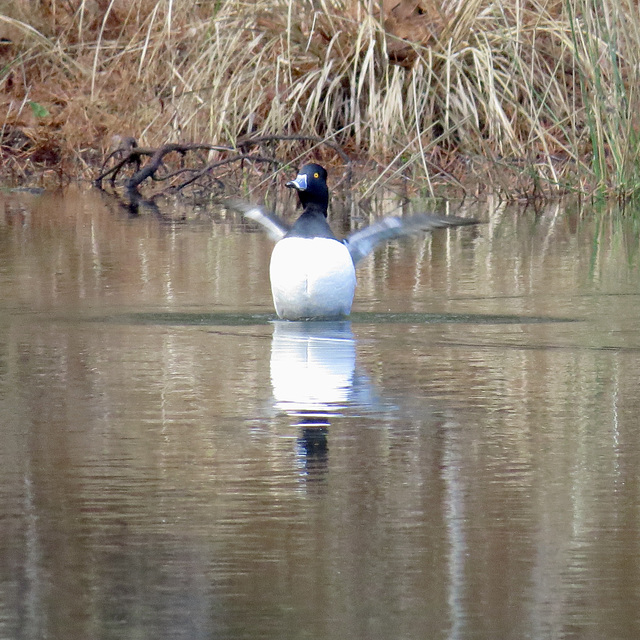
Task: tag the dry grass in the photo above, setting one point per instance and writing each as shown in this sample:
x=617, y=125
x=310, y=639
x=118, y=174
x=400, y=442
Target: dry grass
x=519, y=97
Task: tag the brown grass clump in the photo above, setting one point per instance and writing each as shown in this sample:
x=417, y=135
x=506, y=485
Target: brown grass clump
x=521, y=97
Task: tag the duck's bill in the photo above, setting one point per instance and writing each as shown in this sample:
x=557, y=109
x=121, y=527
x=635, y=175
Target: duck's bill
x=300, y=183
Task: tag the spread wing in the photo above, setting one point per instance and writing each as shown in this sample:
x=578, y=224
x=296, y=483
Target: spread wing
x=275, y=227
x=362, y=242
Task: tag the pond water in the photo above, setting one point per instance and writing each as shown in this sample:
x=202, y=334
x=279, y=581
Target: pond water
x=461, y=459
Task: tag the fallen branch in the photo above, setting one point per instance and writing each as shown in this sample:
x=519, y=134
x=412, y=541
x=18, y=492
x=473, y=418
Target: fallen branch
x=132, y=155
x=154, y=164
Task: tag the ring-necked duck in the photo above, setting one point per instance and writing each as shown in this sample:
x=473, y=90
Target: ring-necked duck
x=312, y=272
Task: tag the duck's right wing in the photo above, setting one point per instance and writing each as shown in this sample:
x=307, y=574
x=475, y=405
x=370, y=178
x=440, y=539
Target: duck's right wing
x=362, y=242
x=275, y=227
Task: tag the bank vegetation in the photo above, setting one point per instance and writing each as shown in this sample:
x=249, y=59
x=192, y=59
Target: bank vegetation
x=521, y=97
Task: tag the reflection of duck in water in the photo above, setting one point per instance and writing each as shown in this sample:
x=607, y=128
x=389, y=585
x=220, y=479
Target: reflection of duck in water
x=312, y=377
x=314, y=449
x=312, y=272
x=312, y=369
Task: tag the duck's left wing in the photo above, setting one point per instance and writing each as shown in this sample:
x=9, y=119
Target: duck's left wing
x=275, y=227
x=362, y=242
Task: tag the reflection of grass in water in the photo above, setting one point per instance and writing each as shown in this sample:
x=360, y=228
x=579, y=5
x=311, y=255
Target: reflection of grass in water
x=523, y=97
x=616, y=240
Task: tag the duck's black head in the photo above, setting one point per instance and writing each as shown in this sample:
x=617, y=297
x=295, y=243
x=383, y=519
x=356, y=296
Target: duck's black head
x=311, y=185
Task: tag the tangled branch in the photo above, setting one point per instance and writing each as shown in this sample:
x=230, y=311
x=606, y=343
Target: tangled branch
x=157, y=165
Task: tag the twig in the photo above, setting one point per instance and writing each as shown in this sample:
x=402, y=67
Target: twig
x=215, y=165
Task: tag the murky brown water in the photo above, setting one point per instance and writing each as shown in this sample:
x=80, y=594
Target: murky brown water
x=461, y=460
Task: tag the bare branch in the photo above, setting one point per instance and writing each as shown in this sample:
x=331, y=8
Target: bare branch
x=147, y=163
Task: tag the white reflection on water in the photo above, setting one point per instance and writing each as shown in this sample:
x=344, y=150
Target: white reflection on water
x=454, y=515
x=312, y=367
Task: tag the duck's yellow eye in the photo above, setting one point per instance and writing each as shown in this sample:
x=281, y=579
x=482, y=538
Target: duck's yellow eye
x=316, y=175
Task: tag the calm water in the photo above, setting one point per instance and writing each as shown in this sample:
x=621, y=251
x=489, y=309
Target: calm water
x=461, y=460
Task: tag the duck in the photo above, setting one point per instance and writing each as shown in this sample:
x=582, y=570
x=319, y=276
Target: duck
x=312, y=272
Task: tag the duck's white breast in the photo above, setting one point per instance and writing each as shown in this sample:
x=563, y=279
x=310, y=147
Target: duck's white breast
x=312, y=278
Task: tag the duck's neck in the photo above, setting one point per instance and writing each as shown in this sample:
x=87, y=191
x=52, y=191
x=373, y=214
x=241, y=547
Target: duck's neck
x=318, y=200
x=314, y=209
x=312, y=223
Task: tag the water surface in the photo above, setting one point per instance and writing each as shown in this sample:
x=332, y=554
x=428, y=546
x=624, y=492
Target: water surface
x=459, y=460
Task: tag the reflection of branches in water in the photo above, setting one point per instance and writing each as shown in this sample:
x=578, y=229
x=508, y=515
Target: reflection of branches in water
x=195, y=168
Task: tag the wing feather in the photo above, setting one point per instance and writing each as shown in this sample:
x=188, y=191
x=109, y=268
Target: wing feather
x=275, y=227
x=362, y=242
